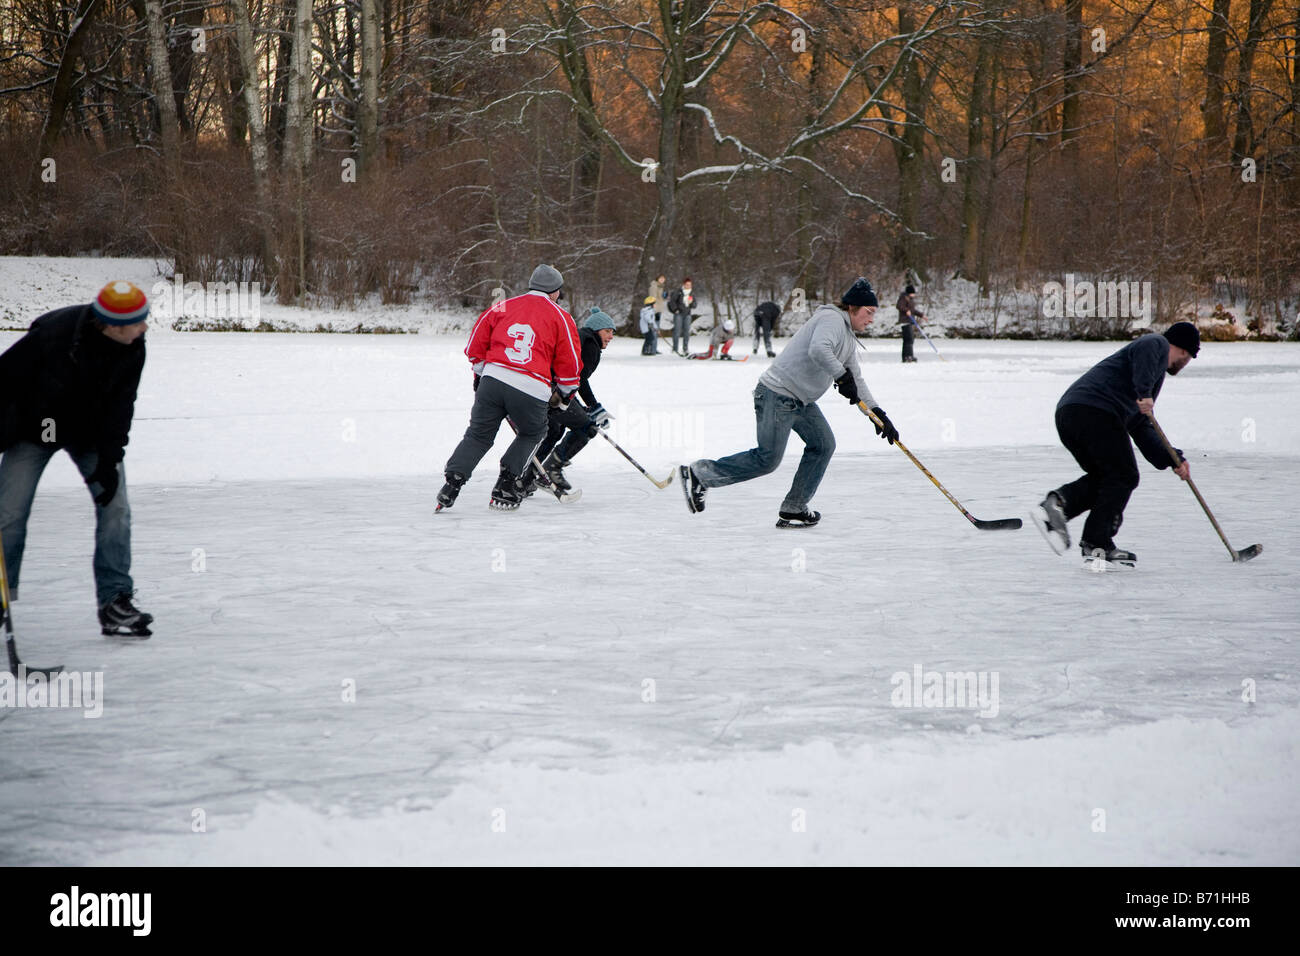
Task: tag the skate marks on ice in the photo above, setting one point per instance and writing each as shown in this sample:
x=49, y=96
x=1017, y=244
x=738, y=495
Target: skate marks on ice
x=614, y=637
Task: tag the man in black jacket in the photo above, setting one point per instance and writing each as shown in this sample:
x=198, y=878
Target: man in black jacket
x=70, y=383
x=595, y=334
x=765, y=318
x=1095, y=418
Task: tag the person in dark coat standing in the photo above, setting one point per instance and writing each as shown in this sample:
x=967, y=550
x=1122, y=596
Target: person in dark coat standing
x=557, y=449
x=1095, y=418
x=907, y=312
x=680, y=303
x=765, y=319
x=70, y=383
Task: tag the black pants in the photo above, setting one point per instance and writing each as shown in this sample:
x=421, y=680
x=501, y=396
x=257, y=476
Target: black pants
x=577, y=423
x=1099, y=443
x=909, y=336
x=494, y=402
x=651, y=344
x=763, y=327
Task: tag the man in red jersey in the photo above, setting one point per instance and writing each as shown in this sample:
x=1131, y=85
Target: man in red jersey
x=518, y=348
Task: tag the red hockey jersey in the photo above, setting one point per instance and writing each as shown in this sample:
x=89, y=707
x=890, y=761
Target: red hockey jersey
x=527, y=342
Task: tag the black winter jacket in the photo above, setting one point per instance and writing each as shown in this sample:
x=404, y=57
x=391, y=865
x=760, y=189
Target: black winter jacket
x=590, y=359
x=66, y=371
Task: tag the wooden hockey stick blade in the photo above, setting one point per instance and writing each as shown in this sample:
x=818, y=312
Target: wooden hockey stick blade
x=662, y=484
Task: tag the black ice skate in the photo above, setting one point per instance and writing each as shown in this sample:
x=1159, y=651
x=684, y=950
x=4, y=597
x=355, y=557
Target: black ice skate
x=120, y=618
x=692, y=489
x=1097, y=559
x=555, y=472
x=798, y=519
x=508, y=493
x=447, y=496
x=528, y=484
x=1048, y=517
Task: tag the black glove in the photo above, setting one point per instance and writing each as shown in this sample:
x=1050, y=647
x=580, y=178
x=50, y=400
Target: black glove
x=559, y=401
x=847, y=387
x=888, y=432
x=476, y=378
x=105, y=476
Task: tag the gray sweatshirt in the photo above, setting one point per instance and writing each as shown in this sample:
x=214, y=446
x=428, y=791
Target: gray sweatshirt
x=818, y=354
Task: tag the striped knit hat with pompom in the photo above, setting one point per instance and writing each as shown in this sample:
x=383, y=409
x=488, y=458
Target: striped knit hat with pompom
x=121, y=303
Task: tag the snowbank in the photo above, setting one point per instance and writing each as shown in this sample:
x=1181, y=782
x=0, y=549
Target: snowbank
x=1176, y=792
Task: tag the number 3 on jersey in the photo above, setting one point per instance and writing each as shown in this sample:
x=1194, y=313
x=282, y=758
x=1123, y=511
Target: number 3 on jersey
x=523, y=347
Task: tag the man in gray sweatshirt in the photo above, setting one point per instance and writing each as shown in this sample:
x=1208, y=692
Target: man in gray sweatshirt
x=822, y=353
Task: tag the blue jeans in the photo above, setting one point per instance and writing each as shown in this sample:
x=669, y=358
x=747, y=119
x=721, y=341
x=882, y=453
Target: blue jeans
x=21, y=468
x=776, y=416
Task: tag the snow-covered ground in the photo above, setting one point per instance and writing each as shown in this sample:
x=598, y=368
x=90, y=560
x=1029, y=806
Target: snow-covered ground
x=619, y=681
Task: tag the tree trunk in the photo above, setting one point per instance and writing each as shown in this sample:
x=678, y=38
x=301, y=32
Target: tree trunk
x=298, y=128
x=804, y=201
x=1243, y=140
x=181, y=61
x=975, y=174
x=368, y=143
x=163, y=94
x=247, y=59
x=1072, y=83
x=62, y=89
x=298, y=112
x=909, y=151
x=1216, y=56
x=280, y=108
x=236, y=109
x=654, y=253
x=1295, y=97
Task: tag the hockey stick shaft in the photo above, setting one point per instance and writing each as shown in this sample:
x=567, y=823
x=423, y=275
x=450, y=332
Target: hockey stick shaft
x=1173, y=455
x=927, y=338
x=1010, y=523
x=619, y=448
x=635, y=464
x=10, y=644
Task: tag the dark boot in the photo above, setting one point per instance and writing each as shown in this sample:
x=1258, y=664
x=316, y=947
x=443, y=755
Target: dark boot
x=447, y=496
x=120, y=618
x=508, y=493
x=555, y=472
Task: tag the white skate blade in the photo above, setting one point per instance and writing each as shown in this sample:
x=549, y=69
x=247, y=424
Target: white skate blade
x=1038, y=518
x=1101, y=566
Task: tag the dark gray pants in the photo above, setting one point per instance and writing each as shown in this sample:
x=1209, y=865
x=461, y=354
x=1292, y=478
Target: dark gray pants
x=682, y=331
x=493, y=402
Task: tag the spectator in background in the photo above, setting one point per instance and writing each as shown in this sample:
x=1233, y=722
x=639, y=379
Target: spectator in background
x=650, y=327
x=909, y=317
x=720, y=342
x=657, y=293
x=765, y=319
x=680, y=304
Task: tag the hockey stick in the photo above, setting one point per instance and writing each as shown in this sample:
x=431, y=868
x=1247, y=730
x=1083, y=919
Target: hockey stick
x=619, y=448
x=1245, y=554
x=927, y=338
x=16, y=666
x=567, y=497
x=997, y=524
